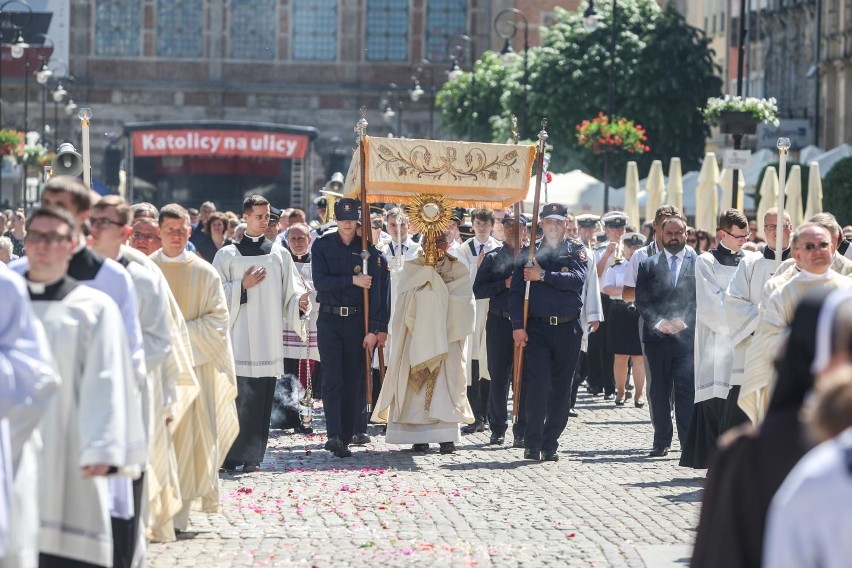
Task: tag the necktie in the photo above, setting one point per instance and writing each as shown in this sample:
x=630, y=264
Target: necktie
x=481, y=248
x=674, y=271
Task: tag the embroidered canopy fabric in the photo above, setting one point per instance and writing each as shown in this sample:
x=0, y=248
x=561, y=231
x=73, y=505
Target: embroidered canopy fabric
x=472, y=174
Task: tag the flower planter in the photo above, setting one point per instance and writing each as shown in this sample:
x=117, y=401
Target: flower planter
x=737, y=122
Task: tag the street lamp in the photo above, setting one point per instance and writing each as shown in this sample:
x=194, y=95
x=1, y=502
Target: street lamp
x=18, y=46
x=738, y=137
x=387, y=110
x=43, y=75
x=591, y=19
x=455, y=50
x=417, y=92
x=506, y=26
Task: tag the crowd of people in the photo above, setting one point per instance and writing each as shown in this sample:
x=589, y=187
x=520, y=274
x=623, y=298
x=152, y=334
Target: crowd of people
x=146, y=351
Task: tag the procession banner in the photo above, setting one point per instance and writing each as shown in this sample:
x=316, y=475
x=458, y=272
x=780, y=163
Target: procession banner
x=473, y=174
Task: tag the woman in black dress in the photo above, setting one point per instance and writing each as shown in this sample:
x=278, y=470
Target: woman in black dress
x=623, y=319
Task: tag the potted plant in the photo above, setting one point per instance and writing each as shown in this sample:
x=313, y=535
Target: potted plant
x=738, y=115
x=602, y=135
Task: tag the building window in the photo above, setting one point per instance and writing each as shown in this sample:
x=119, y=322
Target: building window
x=387, y=30
x=315, y=30
x=253, y=29
x=444, y=19
x=117, y=25
x=180, y=28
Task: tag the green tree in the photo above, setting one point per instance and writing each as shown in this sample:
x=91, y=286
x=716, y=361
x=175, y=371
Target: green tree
x=837, y=191
x=663, y=74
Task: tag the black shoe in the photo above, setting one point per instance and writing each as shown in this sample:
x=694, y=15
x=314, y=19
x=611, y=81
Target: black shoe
x=572, y=413
x=619, y=402
x=551, y=457
x=629, y=386
x=333, y=443
x=478, y=426
x=593, y=392
x=420, y=448
x=448, y=448
x=609, y=396
x=303, y=430
x=534, y=455
x=251, y=468
x=659, y=451
x=639, y=403
x=343, y=451
x=361, y=439
x=497, y=440
x=518, y=442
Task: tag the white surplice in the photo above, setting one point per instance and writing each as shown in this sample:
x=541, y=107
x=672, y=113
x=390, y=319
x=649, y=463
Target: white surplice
x=713, y=333
x=28, y=382
x=257, y=326
x=468, y=254
x=592, y=304
x=85, y=424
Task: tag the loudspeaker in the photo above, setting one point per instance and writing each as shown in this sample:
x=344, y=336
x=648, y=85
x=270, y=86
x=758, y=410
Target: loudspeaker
x=67, y=161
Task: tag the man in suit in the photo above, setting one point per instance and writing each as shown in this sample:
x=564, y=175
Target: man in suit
x=665, y=297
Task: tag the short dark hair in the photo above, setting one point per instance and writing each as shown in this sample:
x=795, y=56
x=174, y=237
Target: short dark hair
x=676, y=217
x=53, y=212
x=665, y=211
x=216, y=216
x=192, y=211
x=173, y=211
x=80, y=195
x=251, y=202
x=296, y=212
x=144, y=209
x=486, y=215
x=730, y=218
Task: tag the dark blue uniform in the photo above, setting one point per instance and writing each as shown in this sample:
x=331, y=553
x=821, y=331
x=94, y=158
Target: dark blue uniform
x=554, y=331
x=497, y=266
x=340, y=326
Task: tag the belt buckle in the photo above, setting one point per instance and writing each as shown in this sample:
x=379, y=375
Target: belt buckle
x=344, y=311
x=554, y=320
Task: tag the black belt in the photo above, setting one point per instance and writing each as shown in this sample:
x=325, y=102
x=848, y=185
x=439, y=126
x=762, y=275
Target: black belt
x=500, y=314
x=342, y=311
x=554, y=320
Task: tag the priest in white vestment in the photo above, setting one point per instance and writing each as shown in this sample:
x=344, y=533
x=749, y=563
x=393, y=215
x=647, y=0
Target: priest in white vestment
x=262, y=290
x=209, y=428
x=714, y=270
x=28, y=383
x=742, y=307
x=84, y=430
x=813, y=251
x=471, y=253
x=423, y=397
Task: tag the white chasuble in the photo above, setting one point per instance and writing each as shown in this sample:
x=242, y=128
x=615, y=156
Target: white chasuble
x=85, y=424
x=257, y=326
x=210, y=426
x=423, y=398
x=776, y=315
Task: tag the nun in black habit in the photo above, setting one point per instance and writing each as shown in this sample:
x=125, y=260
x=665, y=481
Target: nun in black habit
x=752, y=462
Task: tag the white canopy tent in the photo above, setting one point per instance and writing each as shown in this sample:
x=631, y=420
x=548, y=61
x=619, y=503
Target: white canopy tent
x=809, y=153
x=827, y=160
x=576, y=190
x=756, y=163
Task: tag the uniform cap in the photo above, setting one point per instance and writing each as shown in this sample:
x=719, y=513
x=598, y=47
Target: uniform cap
x=554, y=211
x=346, y=209
x=466, y=231
x=633, y=240
x=274, y=214
x=587, y=220
x=510, y=218
x=320, y=201
x=614, y=220
x=600, y=237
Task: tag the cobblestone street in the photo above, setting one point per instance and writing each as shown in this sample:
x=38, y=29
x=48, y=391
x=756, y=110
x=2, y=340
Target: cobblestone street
x=604, y=504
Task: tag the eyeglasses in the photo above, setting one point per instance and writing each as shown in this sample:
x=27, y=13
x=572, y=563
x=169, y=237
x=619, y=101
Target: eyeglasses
x=103, y=223
x=738, y=237
x=774, y=227
x=36, y=238
x=811, y=246
x=144, y=237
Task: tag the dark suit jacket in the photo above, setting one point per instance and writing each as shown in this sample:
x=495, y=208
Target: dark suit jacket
x=657, y=299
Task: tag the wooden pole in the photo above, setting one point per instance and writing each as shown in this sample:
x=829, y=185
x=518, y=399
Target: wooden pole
x=519, y=367
x=361, y=129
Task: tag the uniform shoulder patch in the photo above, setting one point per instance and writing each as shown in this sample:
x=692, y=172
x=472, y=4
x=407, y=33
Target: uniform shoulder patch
x=581, y=253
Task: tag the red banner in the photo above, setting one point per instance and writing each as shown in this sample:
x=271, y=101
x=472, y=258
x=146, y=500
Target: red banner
x=201, y=142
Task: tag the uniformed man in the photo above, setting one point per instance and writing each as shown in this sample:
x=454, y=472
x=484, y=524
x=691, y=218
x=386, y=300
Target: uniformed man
x=338, y=279
x=553, y=333
x=586, y=226
x=492, y=282
x=271, y=232
x=615, y=223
